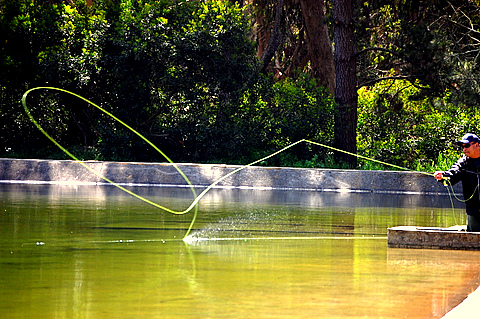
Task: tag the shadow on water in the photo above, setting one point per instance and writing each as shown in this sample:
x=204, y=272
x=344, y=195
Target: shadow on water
x=91, y=251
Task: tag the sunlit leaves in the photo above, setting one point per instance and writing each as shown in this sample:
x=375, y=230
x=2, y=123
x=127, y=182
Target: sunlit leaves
x=399, y=127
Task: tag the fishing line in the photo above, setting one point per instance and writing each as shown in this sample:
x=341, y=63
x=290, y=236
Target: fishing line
x=451, y=193
x=194, y=204
x=447, y=183
x=196, y=198
x=88, y=167
x=24, y=103
x=368, y=158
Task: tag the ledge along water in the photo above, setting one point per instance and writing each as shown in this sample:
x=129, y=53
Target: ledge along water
x=203, y=175
x=252, y=177
x=454, y=237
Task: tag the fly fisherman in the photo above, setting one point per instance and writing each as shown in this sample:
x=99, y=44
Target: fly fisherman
x=467, y=170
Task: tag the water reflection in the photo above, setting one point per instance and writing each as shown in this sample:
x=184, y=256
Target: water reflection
x=94, y=252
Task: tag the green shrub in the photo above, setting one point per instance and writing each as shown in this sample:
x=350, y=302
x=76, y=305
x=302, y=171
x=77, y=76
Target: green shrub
x=397, y=127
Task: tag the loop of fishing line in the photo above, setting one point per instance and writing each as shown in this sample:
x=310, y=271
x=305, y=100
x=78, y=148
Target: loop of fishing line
x=448, y=184
x=194, y=203
x=196, y=198
x=24, y=103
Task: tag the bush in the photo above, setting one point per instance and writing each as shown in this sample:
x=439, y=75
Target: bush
x=269, y=116
x=397, y=127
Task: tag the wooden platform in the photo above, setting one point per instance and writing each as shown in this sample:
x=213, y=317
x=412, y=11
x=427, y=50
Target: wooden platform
x=433, y=238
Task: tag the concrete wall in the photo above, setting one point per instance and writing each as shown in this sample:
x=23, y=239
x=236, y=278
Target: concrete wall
x=165, y=174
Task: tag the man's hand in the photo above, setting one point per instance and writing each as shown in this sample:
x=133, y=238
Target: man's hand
x=438, y=175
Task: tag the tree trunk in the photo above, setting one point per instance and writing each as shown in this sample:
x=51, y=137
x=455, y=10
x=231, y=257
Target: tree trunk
x=262, y=30
x=319, y=46
x=346, y=115
x=276, y=37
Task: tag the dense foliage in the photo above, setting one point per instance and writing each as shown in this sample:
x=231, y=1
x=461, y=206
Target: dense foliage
x=417, y=133
x=186, y=75
x=418, y=74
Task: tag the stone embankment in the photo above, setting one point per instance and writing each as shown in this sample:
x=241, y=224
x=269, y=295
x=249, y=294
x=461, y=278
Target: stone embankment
x=203, y=175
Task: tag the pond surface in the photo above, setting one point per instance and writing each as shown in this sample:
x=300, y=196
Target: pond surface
x=97, y=252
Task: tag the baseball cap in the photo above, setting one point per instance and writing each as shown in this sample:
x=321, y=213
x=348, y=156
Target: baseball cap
x=468, y=138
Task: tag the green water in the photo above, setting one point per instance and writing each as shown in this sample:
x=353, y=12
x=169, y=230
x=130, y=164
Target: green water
x=95, y=252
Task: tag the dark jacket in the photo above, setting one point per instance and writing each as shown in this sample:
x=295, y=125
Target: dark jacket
x=467, y=171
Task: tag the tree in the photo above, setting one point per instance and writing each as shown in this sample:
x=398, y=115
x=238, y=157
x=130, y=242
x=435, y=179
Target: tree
x=296, y=35
x=319, y=45
x=346, y=89
x=431, y=44
x=26, y=30
x=144, y=61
